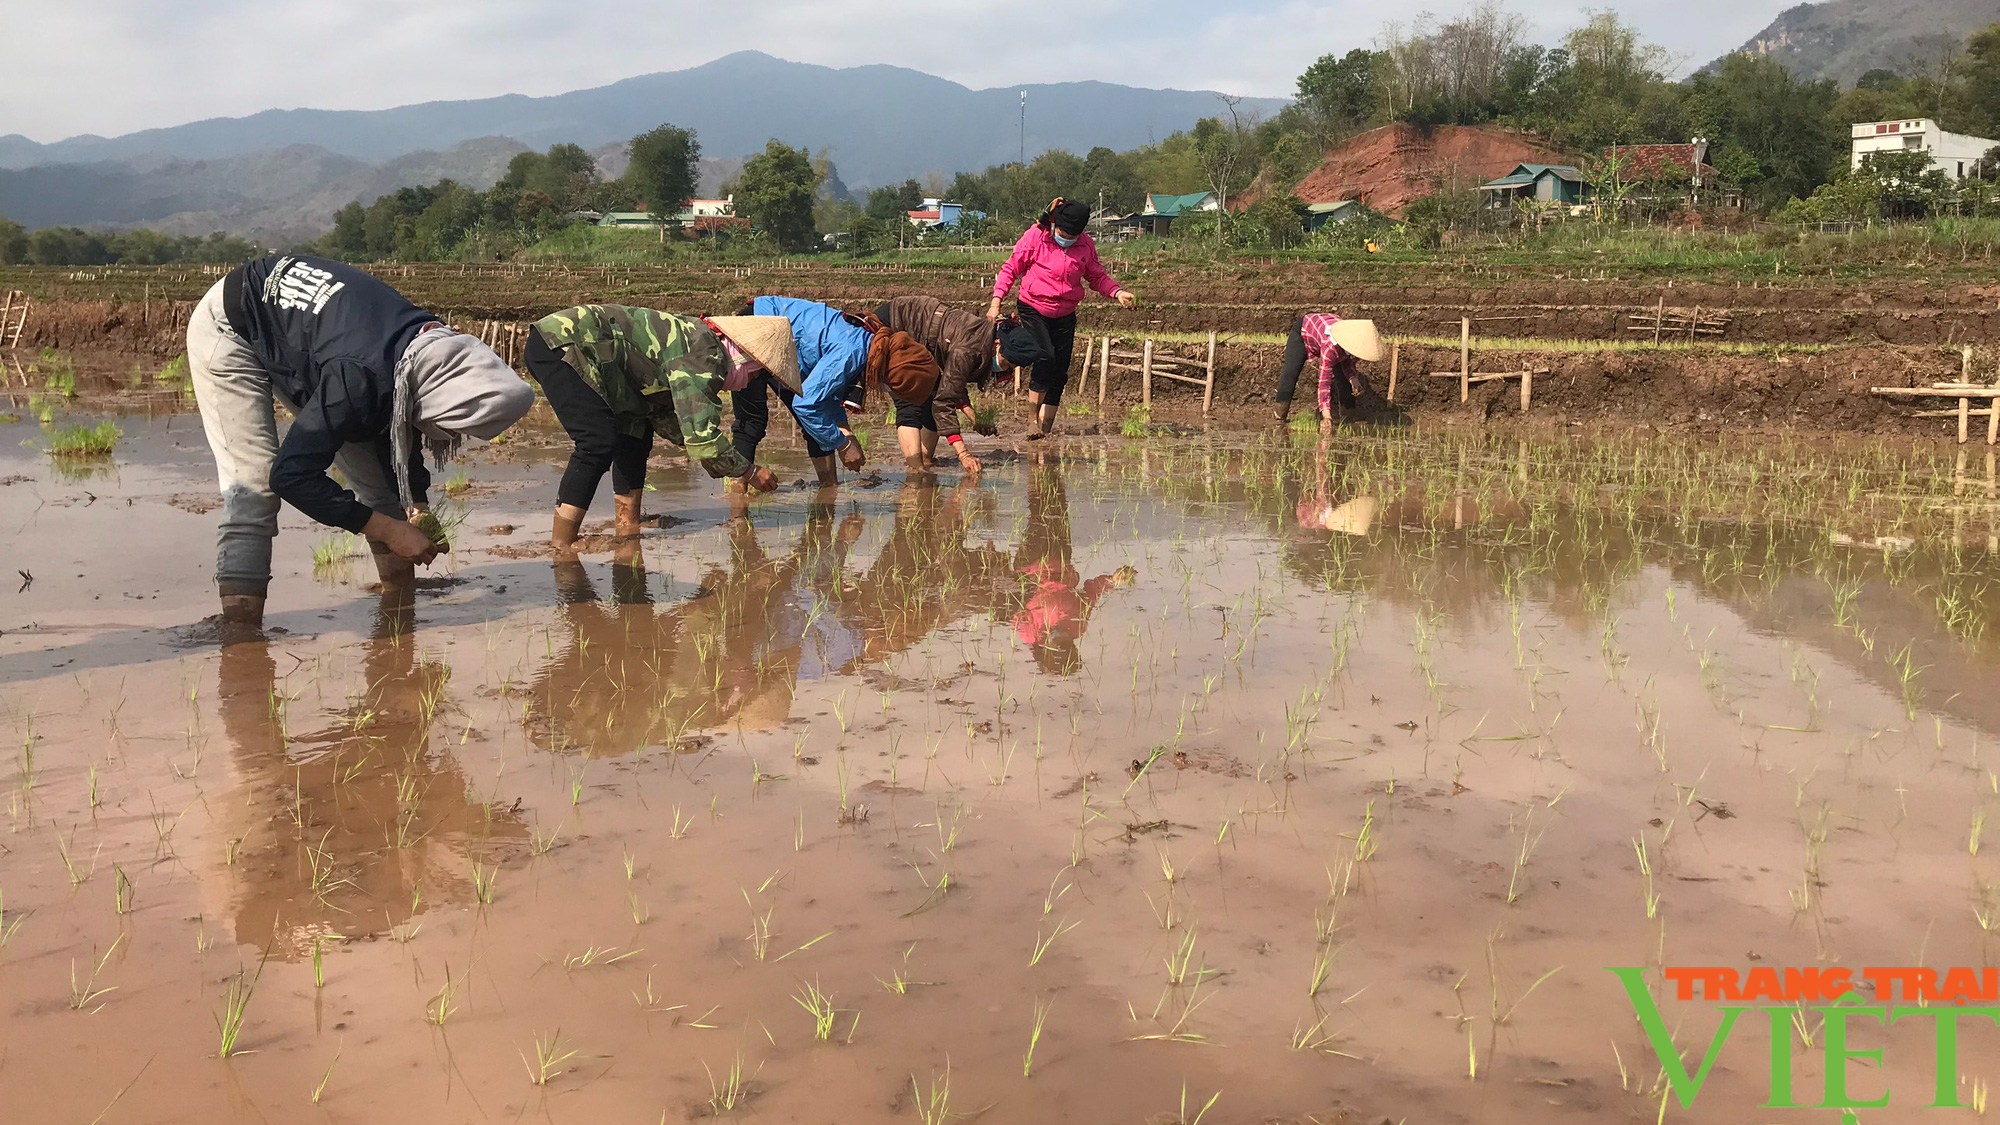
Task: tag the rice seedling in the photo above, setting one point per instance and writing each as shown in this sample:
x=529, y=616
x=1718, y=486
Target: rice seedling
x=1042, y=943
x=732, y=1092
x=1137, y=423
x=1647, y=893
x=174, y=374
x=443, y=1002
x=934, y=1103
x=819, y=1006
x=58, y=372
x=236, y=1008
x=482, y=882
x=79, y=442
x=1042, y=1006
x=1181, y=1116
x=83, y=993
x=551, y=1053
x=319, y=1091
x=596, y=955
x=9, y=929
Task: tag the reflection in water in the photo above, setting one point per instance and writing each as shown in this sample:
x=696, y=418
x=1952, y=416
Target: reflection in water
x=1052, y=601
x=631, y=675
x=925, y=577
x=351, y=829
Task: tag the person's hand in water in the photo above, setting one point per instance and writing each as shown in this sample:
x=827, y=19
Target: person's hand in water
x=852, y=455
x=760, y=479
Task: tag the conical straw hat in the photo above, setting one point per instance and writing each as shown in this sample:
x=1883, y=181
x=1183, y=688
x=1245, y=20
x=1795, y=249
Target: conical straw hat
x=768, y=340
x=1352, y=518
x=1358, y=339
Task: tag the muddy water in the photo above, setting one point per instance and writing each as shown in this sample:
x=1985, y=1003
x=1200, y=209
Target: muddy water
x=1310, y=776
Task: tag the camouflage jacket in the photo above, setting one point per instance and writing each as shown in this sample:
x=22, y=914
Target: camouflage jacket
x=654, y=369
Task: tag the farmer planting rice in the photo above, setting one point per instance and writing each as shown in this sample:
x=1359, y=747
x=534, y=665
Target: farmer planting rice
x=969, y=351
x=366, y=374
x=1053, y=262
x=618, y=375
x=836, y=352
x=1336, y=345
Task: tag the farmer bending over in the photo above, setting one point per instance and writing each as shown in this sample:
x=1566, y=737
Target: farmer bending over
x=365, y=374
x=617, y=375
x=835, y=353
x=969, y=350
x=1336, y=344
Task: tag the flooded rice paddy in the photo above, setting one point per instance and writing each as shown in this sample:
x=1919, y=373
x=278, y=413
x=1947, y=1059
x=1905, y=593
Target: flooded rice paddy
x=1240, y=778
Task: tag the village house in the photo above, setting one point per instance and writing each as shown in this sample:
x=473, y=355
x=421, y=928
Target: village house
x=1548, y=183
x=1954, y=154
x=1161, y=210
x=699, y=217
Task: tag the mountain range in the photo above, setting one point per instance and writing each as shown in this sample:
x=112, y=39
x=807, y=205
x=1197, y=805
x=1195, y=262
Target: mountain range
x=1844, y=39
x=282, y=172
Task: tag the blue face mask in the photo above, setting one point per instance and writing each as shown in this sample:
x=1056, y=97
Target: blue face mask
x=1065, y=241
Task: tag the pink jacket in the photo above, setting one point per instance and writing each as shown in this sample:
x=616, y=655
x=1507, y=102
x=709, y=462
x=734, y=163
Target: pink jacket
x=1052, y=278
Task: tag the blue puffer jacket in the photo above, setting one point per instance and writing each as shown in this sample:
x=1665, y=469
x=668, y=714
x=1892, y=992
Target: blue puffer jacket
x=833, y=353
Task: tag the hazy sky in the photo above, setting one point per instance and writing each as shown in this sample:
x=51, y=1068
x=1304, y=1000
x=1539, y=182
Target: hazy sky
x=113, y=66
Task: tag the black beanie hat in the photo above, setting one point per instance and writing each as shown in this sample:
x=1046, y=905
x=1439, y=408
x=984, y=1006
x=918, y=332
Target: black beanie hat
x=1023, y=343
x=1069, y=216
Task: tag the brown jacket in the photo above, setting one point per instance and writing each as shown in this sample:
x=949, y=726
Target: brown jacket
x=961, y=341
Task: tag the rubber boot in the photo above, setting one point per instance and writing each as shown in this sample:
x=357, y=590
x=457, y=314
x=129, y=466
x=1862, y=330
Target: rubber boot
x=562, y=536
x=243, y=612
x=395, y=571
x=627, y=518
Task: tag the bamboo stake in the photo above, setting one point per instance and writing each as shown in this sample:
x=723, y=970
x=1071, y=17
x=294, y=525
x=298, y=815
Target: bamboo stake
x=1208, y=389
x=1103, y=372
x=1527, y=389
x=1395, y=358
x=1659, y=318
x=1964, y=418
x=1465, y=359
x=1146, y=375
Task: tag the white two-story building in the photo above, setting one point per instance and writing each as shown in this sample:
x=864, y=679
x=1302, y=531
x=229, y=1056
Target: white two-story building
x=1954, y=153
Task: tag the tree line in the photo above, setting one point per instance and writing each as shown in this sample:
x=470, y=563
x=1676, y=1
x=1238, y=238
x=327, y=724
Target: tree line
x=74, y=246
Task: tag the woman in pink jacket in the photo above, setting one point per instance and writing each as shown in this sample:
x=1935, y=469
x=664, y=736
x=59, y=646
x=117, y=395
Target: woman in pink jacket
x=1053, y=262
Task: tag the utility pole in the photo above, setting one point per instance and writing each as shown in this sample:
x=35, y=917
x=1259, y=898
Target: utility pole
x=1024, y=128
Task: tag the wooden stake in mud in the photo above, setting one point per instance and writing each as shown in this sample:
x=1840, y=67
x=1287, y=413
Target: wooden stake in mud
x=1964, y=418
x=1659, y=319
x=1464, y=359
x=1146, y=375
x=1103, y=372
x=1395, y=360
x=1992, y=426
x=1208, y=391
x=1527, y=389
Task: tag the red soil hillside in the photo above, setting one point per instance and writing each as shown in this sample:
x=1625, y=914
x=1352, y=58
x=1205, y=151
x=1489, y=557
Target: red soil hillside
x=1387, y=168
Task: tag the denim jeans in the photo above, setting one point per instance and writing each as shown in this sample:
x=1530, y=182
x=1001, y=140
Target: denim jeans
x=235, y=395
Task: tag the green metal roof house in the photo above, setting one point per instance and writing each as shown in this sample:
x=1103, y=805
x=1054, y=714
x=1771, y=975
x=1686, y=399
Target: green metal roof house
x=1161, y=210
x=1320, y=214
x=1550, y=183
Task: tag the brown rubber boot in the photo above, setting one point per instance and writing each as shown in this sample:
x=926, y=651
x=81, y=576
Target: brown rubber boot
x=562, y=536
x=243, y=611
x=627, y=517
